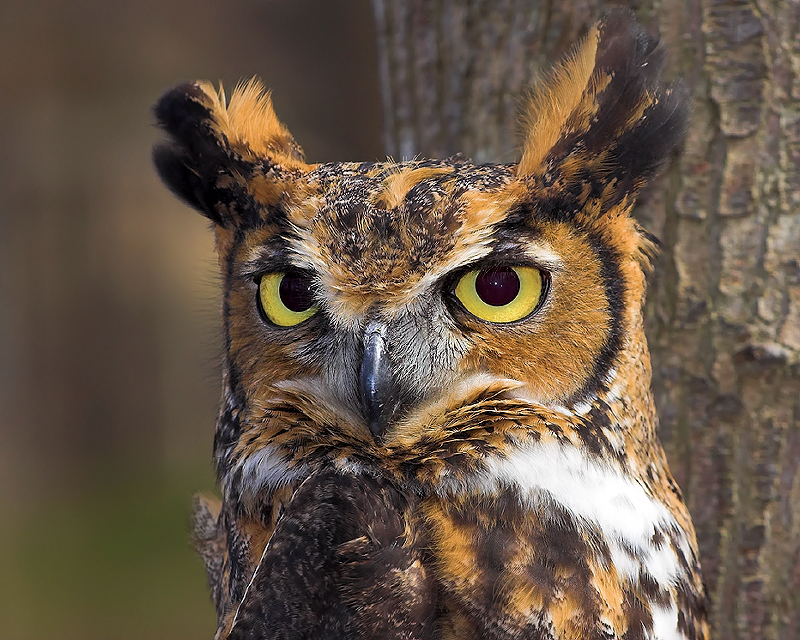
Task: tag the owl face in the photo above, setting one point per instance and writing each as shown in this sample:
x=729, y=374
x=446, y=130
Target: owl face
x=363, y=301
x=430, y=277
x=387, y=293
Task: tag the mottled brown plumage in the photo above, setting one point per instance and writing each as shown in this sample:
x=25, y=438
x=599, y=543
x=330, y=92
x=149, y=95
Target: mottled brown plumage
x=436, y=418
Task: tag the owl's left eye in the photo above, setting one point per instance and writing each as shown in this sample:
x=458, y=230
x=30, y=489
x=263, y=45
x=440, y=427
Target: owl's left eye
x=286, y=299
x=501, y=294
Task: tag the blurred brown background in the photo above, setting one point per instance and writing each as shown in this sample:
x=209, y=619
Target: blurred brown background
x=108, y=291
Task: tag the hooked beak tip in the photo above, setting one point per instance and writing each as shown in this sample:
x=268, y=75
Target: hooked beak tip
x=379, y=392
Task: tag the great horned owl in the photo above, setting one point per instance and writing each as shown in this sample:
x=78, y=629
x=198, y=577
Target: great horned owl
x=436, y=418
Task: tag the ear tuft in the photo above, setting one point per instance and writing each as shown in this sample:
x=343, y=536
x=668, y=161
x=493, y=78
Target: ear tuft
x=216, y=150
x=555, y=100
x=603, y=116
x=250, y=123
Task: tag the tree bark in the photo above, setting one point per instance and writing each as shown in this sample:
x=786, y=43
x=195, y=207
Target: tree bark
x=724, y=301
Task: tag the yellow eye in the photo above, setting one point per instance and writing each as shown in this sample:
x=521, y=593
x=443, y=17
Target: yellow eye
x=500, y=294
x=286, y=299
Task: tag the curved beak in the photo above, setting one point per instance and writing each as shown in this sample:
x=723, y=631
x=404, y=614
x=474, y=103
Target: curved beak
x=379, y=391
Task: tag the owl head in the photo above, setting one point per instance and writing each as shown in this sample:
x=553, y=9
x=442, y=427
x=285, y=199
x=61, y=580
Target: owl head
x=372, y=309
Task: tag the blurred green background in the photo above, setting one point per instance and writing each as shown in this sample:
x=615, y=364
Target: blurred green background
x=108, y=291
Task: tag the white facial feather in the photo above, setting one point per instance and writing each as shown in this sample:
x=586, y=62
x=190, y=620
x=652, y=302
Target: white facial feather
x=265, y=470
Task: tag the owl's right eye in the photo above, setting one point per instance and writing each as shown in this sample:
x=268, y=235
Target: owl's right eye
x=501, y=294
x=286, y=299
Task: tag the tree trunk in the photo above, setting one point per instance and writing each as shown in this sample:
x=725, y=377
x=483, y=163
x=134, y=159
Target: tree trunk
x=724, y=302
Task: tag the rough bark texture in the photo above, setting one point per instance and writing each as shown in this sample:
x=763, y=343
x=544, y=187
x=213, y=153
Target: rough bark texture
x=724, y=303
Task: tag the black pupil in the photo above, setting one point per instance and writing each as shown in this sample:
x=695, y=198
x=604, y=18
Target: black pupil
x=497, y=287
x=295, y=292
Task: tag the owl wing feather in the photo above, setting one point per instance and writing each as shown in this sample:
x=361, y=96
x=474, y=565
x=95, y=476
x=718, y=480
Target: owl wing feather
x=343, y=562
